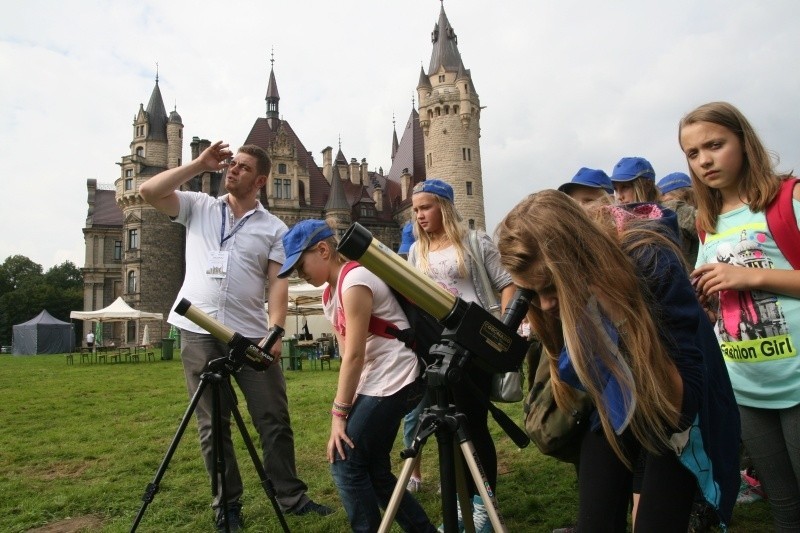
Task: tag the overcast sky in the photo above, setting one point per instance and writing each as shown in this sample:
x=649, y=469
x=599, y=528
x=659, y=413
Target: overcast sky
x=564, y=84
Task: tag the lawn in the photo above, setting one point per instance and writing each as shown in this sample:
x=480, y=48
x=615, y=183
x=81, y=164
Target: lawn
x=79, y=443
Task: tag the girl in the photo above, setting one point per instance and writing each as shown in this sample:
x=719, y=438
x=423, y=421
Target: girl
x=634, y=181
x=615, y=309
x=442, y=252
x=378, y=379
x=759, y=292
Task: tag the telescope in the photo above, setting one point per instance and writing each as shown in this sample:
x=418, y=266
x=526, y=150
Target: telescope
x=495, y=344
x=242, y=350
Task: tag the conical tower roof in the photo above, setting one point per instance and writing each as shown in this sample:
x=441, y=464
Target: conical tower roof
x=445, y=46
x=337, y=200
x=157, y=116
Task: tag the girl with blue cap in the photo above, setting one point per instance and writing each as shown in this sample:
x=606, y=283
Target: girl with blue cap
x=379, y=378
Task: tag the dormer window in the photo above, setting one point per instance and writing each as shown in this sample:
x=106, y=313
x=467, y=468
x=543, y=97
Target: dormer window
x=281, y=168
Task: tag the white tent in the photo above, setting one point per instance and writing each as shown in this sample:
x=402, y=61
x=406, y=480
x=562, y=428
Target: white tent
x=118, y=311
x=305, y=300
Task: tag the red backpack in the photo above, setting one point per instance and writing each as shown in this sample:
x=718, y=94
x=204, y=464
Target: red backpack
x=781, y=223
x=424, y=330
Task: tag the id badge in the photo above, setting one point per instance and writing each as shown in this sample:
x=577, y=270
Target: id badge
x=218, y=264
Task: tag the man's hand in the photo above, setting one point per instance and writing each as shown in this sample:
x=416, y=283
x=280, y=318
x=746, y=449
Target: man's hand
x=215, y=157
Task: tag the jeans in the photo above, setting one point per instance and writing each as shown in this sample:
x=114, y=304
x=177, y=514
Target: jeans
x=772, y=438
x=364, y=479
x=411, y=419
x=265, y=394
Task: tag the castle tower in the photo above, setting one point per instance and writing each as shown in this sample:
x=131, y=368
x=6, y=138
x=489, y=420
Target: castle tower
x=272, y=98
x=449, y=115
x=152, y=245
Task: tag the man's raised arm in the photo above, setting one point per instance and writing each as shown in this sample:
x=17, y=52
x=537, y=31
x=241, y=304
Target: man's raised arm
x=159, y=191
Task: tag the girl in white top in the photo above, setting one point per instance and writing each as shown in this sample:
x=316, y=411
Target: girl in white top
x=378, y=380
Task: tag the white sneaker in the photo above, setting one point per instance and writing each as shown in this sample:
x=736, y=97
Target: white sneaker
x=460, y=525
x=414, y=484
x=480, y=518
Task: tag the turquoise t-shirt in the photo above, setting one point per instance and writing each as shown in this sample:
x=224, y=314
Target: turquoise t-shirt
x=758, y=331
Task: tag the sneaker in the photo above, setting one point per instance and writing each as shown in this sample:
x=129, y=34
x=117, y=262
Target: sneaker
x=480, y=517
x=414, y=484
x=459, y=525
x=312, y=507
x=749, y=490
x=234, y=519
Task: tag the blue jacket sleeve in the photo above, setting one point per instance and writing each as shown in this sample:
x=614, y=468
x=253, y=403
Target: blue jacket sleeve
x=678, y=316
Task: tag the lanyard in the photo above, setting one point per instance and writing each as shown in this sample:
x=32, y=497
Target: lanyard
x=222, y=237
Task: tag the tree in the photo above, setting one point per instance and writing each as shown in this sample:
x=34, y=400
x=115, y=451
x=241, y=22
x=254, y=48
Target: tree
x=25, y=291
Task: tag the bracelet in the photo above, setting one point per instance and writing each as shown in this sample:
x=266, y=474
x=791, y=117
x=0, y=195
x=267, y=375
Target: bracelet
x=342, y=410
x=336, y=413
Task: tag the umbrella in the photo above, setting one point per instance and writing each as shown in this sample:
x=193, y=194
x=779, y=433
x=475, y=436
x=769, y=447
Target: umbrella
x=146, y=335
x=98, y=334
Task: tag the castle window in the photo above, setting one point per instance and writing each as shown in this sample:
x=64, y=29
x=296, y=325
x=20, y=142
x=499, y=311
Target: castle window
x=466, y=88
x=472, y=223
x=447, y=110
x=131, y=332
x=131, y=282
x=128, y=184
x=133, y=239
x=455, y=110
x=441, y=78
x=430, y=160
x=281, y=168
x=128, y=173
x=466, y=154
x=367, y=210
x=430, y=114
x=282, y=188
x=140, y=152
x=117, y=250
x=469, y=188
x=438, y=112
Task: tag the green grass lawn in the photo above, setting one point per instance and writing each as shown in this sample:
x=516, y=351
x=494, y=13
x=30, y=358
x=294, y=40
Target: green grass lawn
x=79, y=443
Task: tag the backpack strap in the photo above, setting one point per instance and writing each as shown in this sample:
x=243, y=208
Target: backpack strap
x=783, y=224
x=377, y=326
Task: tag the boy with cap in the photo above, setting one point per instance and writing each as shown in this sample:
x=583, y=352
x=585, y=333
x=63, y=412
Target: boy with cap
x=588, y=185
x=634, y=181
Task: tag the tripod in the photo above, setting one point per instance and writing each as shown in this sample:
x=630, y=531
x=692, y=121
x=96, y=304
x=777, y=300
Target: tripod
x=449, y=426
x=217, y=374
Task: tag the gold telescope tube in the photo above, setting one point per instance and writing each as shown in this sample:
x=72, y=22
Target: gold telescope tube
x=359, y=244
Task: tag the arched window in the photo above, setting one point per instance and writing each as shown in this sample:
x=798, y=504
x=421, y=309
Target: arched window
x=131, y=282
x=438, y=111
x=140, y=152
x=472, y=223
x=447, y=110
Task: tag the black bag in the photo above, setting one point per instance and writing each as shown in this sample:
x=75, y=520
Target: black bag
x=424, y=330
x=555, y=432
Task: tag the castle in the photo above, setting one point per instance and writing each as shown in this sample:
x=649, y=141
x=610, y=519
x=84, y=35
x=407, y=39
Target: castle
x=135, y=252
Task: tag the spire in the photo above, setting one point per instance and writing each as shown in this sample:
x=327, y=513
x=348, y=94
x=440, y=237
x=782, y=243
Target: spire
x=337, y=199
x=273, y=116
x=445, y=46
x=395, y=144
x=156, y=115
x=424, y=80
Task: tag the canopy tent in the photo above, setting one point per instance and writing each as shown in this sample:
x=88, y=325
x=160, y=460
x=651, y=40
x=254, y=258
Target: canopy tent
x=43, y=334
x=305, y=300
x=118, y=311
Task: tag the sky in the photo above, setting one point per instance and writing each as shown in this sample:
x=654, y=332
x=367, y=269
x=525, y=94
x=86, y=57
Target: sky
x=565, y=84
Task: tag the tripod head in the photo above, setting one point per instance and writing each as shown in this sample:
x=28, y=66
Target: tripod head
x=242, y=350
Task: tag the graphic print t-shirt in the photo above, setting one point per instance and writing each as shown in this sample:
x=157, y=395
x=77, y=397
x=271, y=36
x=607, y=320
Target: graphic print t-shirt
x=757, y=330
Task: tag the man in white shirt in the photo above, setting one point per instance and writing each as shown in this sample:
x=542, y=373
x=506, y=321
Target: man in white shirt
x=234, y=250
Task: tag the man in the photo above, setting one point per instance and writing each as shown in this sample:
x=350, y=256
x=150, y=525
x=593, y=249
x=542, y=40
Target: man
x=233, y=247
x=90, y=340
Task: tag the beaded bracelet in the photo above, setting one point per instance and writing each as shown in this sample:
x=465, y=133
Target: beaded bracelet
x=342, y=410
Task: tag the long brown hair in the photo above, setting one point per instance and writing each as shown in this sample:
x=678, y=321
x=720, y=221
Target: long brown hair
x=758, y=183
x=550, y=233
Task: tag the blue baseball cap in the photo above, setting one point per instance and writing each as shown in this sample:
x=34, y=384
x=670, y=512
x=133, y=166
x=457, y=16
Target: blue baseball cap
x=589, y=177
x=630, y=168
x=434, y=186
x=300, y=238
x=676, y=180
x=407, y=238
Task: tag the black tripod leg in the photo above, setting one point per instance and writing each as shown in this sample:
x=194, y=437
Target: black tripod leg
x=218, y=448
x=153, y=486
x=266, y=482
